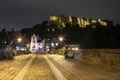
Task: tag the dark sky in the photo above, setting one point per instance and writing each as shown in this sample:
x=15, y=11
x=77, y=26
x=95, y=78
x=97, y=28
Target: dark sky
x=26, y=13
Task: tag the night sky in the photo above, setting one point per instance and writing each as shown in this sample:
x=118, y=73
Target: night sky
x=20, y=14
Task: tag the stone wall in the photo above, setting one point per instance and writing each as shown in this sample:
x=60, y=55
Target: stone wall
x=100, y=56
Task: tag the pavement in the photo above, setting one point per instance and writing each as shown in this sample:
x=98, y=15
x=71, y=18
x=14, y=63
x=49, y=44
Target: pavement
x=54, y=67
x=77, y=70
x=39, y=70
x=10, y=68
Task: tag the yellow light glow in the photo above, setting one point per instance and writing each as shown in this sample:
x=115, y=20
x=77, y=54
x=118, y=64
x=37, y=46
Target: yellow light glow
x=63, y=24
x=94, y=21
x=103, y=23
x=53, y=18
x=78, y=21
x=19, y=40
x=73, y=49
x=99, y=20
x=61, y=39
x=70, y=19
x=76, y=48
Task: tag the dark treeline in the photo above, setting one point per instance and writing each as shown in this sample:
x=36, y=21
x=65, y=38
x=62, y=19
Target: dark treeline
x=10, y=38
x=7, y=36
x=92, y=36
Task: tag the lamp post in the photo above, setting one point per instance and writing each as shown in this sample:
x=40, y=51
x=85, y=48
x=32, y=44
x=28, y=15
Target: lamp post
x=19, y=40
x=61, y=40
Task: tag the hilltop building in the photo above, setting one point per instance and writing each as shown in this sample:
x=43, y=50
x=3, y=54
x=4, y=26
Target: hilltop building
x=81, y=22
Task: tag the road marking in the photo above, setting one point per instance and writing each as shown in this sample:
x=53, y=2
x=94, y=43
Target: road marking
x=57, y=73
x=21, y=74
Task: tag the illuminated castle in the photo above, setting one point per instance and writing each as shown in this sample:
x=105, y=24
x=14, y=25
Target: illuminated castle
x=82, y=22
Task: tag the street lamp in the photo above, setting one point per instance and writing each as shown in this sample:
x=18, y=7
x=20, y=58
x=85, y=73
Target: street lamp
x=19, y=40
x=61, y=40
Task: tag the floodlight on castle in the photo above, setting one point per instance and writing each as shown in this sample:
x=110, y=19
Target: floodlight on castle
x=82, y=22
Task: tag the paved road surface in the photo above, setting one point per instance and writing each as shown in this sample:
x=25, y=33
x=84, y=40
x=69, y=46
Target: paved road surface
x=77, y=70
x=36, y=67
x=39, y=70
x=9, y=68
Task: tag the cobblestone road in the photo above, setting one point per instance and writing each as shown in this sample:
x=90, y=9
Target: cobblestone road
x=39, y=70
x=77, y=70
x=9, y=68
